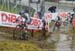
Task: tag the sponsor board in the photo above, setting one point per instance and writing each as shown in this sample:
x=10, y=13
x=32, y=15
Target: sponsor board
x=9, y=20
x=53, y=16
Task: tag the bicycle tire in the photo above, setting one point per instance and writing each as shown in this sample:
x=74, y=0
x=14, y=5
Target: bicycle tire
x=17, y=32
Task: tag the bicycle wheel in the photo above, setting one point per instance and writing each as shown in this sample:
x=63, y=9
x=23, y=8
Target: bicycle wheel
x=17, y=32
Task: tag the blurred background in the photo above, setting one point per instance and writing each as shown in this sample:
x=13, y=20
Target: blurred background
x=14, y=6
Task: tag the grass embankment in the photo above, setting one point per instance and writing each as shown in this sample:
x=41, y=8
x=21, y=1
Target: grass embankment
x=18, y=46
x=10, y=42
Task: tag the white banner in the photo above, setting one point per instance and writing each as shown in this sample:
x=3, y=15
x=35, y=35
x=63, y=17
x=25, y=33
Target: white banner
x=9, y=20
x=53, y=16
x=35, y=23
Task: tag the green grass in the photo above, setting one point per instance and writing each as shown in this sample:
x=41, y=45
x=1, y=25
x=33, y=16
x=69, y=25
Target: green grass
x=18, y=46
x=9, y=40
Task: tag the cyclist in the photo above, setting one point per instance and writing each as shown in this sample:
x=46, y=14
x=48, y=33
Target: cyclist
x=25, y=14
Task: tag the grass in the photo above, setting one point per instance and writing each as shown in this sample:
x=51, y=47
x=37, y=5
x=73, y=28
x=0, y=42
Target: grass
x=18, y=46
x=43, y=45
x=8, y=40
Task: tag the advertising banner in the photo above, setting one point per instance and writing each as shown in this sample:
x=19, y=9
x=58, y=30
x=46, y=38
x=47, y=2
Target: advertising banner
x=53, y=16
x=9, y=20
x=35, y=24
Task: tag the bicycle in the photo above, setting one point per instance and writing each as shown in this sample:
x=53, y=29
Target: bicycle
x=19, y=31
